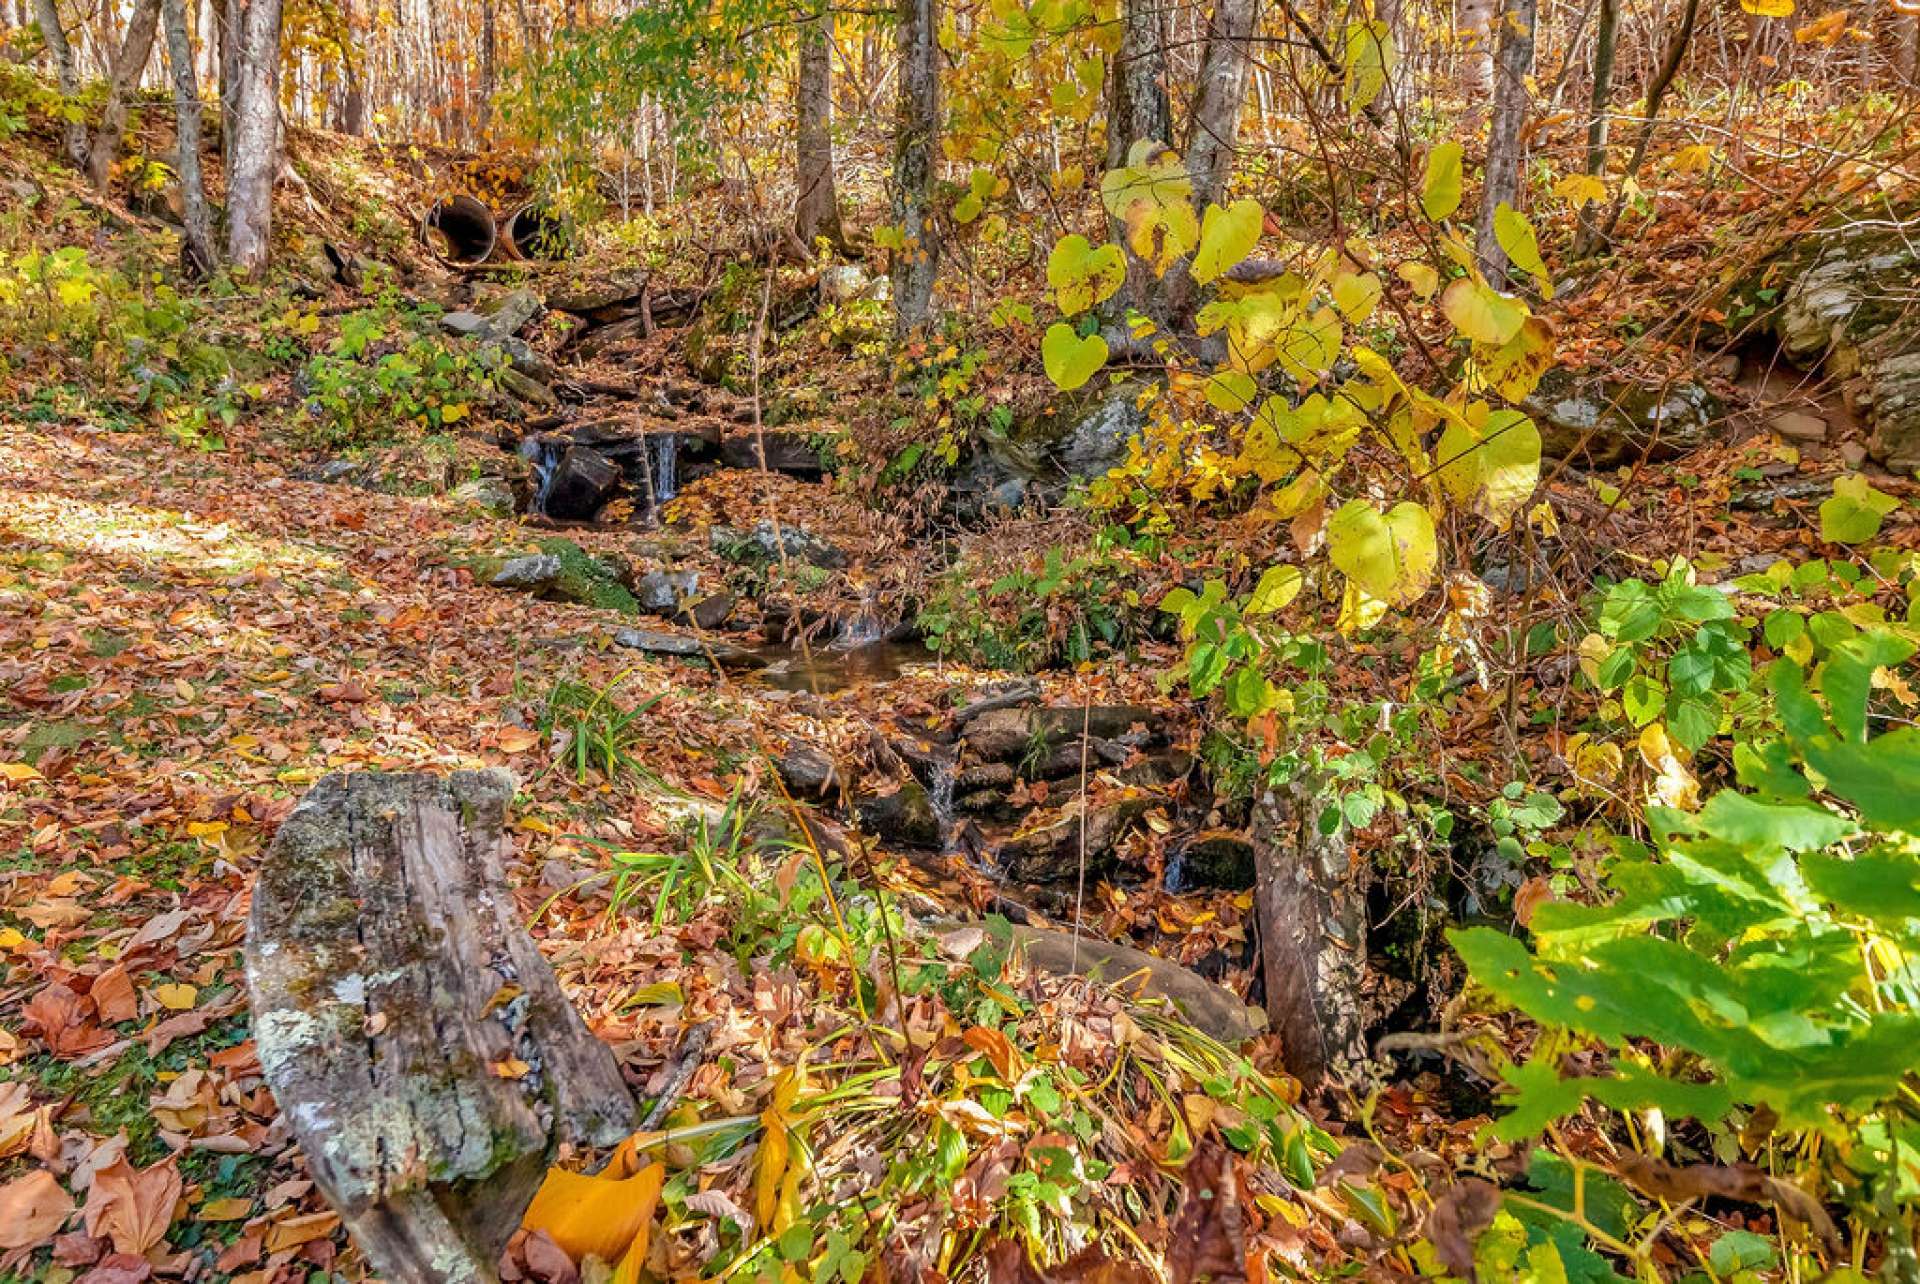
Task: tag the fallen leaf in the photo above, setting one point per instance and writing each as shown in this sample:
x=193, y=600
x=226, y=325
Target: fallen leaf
x=113, y=996
x=119, y=1268
x=598, y=1216
x=133, y=1207
x=175, y=996
x=517, y=740
x=32, y=1208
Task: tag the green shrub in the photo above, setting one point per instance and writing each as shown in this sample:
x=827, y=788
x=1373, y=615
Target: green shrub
x=386, y=372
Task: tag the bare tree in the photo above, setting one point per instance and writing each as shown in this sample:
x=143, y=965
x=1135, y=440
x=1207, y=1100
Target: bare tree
x=915, y=146
x=136, y=48
x=1506, y=144
x=1221, y=91
x=1605, y=38
x=816, y=206
x=254, y=150
x=48, y=15
x=198, y=252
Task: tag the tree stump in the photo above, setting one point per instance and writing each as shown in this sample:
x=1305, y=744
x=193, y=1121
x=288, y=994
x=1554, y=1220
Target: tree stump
x=1310, y=899
x=411, y=1032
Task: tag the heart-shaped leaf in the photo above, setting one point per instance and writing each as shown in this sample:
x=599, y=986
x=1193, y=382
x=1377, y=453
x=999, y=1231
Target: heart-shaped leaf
x=1356, y=294
x=1226, y=237
x=1070, y=359
x=1440, y=188
x=1515, y=234
x=1482, y=313
x=1082, y=274
x=1491, y=468
x=1391, y=555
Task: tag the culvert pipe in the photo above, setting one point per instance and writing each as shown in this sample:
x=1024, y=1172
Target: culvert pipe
x=460, y=231
x=535, y=232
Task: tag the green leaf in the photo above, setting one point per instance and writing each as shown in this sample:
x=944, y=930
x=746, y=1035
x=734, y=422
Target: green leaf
x=1492, y=468
x=1481, y=313
x=1515, y=235
x=1226, y=237
x=1440, y=188
x=1152, y=197
x=1278, y=586
x=1070, y=359
x=1854, y=513
x=1231, y=391
x=1882, y=886
x=1356, y=294
x=1390, y=556
x=1083, y=275
x=1369, y=56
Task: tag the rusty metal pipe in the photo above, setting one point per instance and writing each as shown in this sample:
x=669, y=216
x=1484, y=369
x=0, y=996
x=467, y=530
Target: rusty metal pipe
x=534, y=232
x=460, y=231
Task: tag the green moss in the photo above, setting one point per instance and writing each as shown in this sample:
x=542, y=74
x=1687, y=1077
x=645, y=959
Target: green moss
x=588, y=580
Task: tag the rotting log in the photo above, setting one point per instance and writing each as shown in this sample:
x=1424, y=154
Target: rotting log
x=412, y=1034
x=1310, y=903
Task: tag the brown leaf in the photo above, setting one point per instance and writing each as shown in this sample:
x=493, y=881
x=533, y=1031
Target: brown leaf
x=133, y=1207
x=1007, y=1264
x=77, y=1248
x=344, y=693
x=120, y=1268
x=32, y=1208
x=60, y=1017
x=1209, y=1239
x=113, y=995
x=547, y=1261
x=1466, y=1209
x=1746, y=1182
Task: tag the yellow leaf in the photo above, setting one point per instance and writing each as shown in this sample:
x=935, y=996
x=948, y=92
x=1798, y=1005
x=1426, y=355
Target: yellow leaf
x=18, y=772
x=1580, y=189
x=234, y=1209
x=453, y=414
x=1691, y=160
x=597, y=1215
x=176, y=996
x=1768, y=8
x=776, y=1177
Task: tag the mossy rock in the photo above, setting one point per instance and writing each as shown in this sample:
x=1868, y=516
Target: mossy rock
x=587, y=580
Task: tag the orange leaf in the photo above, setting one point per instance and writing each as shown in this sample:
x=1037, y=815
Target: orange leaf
x=133, y=1208
x=517, y=740
x=597, y=1216
x=32, y=1208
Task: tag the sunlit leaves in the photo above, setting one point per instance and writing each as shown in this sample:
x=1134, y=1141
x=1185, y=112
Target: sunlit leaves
x=1356, y=294
x=1422, y=278
x=1083, y=275
x=1278, y=586
x=1515, y=235
x=1580, y=189
x=1491, y=466
x=1070, y=358
x=1441, y=186
x=1226, y=237
x=1308, y=349
x=1390, y=556
x=1854, y=513
x=1481, y=313
x=1368, y=60
x=1768, y=8
x=1152, y=198
x=982, y=186
x=1514, y=369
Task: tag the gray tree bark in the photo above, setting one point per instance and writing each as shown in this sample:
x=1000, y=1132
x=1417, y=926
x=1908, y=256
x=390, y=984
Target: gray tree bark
x=47, y=13
x=199, y=253
x=1213, y=134
x=1599, y=106
x=1506, y=144
x=419, y=1047
x=254, y=151
x=816, y=207
x=136, y=48
x=915, y=147
x=1474, y=21
x=1310, y=903
x=1137, y=105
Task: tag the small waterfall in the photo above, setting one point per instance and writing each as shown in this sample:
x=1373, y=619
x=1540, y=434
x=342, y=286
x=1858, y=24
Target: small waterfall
x=665, y=449
x=941, y=773
x=543, y=455
x=863, y=628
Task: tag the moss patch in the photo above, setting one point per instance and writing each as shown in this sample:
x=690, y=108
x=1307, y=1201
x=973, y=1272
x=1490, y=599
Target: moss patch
x=588, y=580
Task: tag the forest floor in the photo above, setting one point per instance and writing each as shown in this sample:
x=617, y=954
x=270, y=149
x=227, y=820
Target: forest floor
x=190, y=637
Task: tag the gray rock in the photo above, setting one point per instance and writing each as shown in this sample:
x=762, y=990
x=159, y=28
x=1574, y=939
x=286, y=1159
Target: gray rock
x=661, y=592
x=489, y=494
x=1059, y=849
x=1890, y=398
x=523, y=360
x=809, y=773
x=1208, y=1007
x=1605, y=423
x=785, y=450
x=905, y=816
x=764, y=543
x=1096, y=441
x=681, y=646
x=709, y=612
x=583, y=482
x=1799, y=425
x=531, y=391
x=845, y=282
x=468, y=324
x=534, y=573
x=512, y=313
x=1004, y=735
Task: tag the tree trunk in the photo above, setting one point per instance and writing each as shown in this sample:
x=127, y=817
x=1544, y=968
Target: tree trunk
x=1506, y=144
x=1137, y=108
x=1392, y=101
x=915, y=147
x=1599, y=105
x=48, y=15
x=198, y=252
x=254, y=151
x=233, y=15
x=1214, y=132
x=1473, y=24
x=1310, y=902
x=1650, y=110
x=136, y=47
x=392, y=984
x=816, y=207
x=488, y=56
x=1907, y=59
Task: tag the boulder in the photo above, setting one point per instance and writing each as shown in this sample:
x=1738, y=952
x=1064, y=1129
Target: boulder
x=1209, y=1008
x=1056, y=850
x=1603, y=423
x=662, y=592
x=905, y=816
x=491, y=495
x=1096, y=439
x=1006, y=735
x=709, y=612
x=809, y=773
x=766, y=544
x=786, y=450
x=842, y=283
x=1212, y=858
x=582, y=483
x=532, y=574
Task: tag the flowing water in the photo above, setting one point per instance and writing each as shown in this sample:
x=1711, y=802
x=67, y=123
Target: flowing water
x=542, y=455
x=664, y=448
